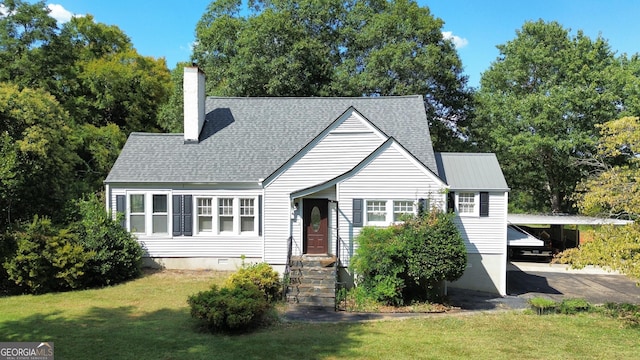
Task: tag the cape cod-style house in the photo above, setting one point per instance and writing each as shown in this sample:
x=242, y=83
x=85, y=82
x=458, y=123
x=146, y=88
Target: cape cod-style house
x=270, y=179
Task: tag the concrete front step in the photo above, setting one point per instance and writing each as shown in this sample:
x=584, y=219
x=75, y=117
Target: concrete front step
x=312, y=301
x=312, y=281
x=311, y=289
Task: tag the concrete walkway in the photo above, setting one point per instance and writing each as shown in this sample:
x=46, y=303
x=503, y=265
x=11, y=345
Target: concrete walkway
x=557, y=268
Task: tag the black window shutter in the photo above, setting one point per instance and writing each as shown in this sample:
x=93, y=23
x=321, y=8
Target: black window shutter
x=187, y=225
x=259, y=215
x=451, y=201
x=357, y=212
x=423, y=207
x=484, y=204
x=177, y=215
x=121, y=204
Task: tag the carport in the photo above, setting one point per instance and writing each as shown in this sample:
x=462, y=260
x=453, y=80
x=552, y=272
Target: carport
x=558, y=281
x=556, y=223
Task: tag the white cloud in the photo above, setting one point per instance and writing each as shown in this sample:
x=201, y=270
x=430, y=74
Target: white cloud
x=458, y=41
x=3, y=11
x=59, y=13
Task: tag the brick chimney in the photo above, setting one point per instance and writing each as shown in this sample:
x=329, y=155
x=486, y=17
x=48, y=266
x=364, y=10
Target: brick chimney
x=194, y=98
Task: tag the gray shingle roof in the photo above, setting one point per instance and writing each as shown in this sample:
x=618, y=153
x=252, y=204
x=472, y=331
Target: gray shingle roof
x=471, y=171
x=246, y=139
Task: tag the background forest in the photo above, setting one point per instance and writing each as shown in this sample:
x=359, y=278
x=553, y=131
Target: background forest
x=70, y=94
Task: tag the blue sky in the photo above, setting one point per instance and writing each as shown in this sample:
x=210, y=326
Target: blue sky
x=166, y=29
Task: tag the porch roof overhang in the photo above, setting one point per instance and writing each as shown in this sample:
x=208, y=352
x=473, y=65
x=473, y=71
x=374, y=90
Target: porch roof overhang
x=561, y=219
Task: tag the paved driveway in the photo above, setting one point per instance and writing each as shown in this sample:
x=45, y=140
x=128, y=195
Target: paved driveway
x=527, y=280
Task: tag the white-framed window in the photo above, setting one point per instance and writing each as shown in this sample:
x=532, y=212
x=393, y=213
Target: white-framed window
x=137, y=217
x=160, y=216
x=467, y=203
x=247, y=215
x=204, y=214
x=225, y=214
x=376, y=211
x=385, y=212
x=148, y=213
x=402, y=209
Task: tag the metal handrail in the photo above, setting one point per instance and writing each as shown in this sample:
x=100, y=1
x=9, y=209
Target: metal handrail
x=287, y=270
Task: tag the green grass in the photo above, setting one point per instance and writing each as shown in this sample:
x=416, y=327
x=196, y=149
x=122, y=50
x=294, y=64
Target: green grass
x=149, y=319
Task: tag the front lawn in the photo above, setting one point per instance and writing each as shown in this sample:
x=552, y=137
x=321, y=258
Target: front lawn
x=149, y=319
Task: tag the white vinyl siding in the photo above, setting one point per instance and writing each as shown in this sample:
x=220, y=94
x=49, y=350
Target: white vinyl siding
x=339, y=151
x=201, y=245
x=393, y=175
x=486, y=235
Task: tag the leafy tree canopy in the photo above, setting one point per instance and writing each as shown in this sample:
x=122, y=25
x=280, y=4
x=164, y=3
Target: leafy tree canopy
x=335, y=48
x=612, y=191
x=538, y=105
x=69, y=96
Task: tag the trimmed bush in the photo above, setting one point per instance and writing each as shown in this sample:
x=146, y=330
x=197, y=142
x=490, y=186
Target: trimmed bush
x=410, y=261
x=262, y=276
x=47, y=259
x=229, y=308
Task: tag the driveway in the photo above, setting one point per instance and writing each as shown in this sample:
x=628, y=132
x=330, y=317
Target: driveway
x=557, y=282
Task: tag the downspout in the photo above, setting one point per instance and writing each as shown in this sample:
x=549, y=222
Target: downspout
x=107, y=199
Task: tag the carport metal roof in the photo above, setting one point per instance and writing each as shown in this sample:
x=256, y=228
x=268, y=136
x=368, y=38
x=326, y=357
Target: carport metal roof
x=561, y=219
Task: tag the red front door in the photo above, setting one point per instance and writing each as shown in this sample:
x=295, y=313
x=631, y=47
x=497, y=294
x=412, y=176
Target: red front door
x=316, y=230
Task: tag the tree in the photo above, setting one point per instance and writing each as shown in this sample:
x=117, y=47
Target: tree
x=335, y=48
x=171, y=112
x=538, y=105
x=613, y=191
x=24, y=28
x=40, y=146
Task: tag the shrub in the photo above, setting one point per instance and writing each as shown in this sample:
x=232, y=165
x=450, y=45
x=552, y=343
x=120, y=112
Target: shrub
x=8, y=246
x=435, y=252
x=117, y=254
x=629, y=314
x=410, y=261
x=47, y=259
x=262, y=276
x=379, y=263
x=229, y=308
x=573, y=306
